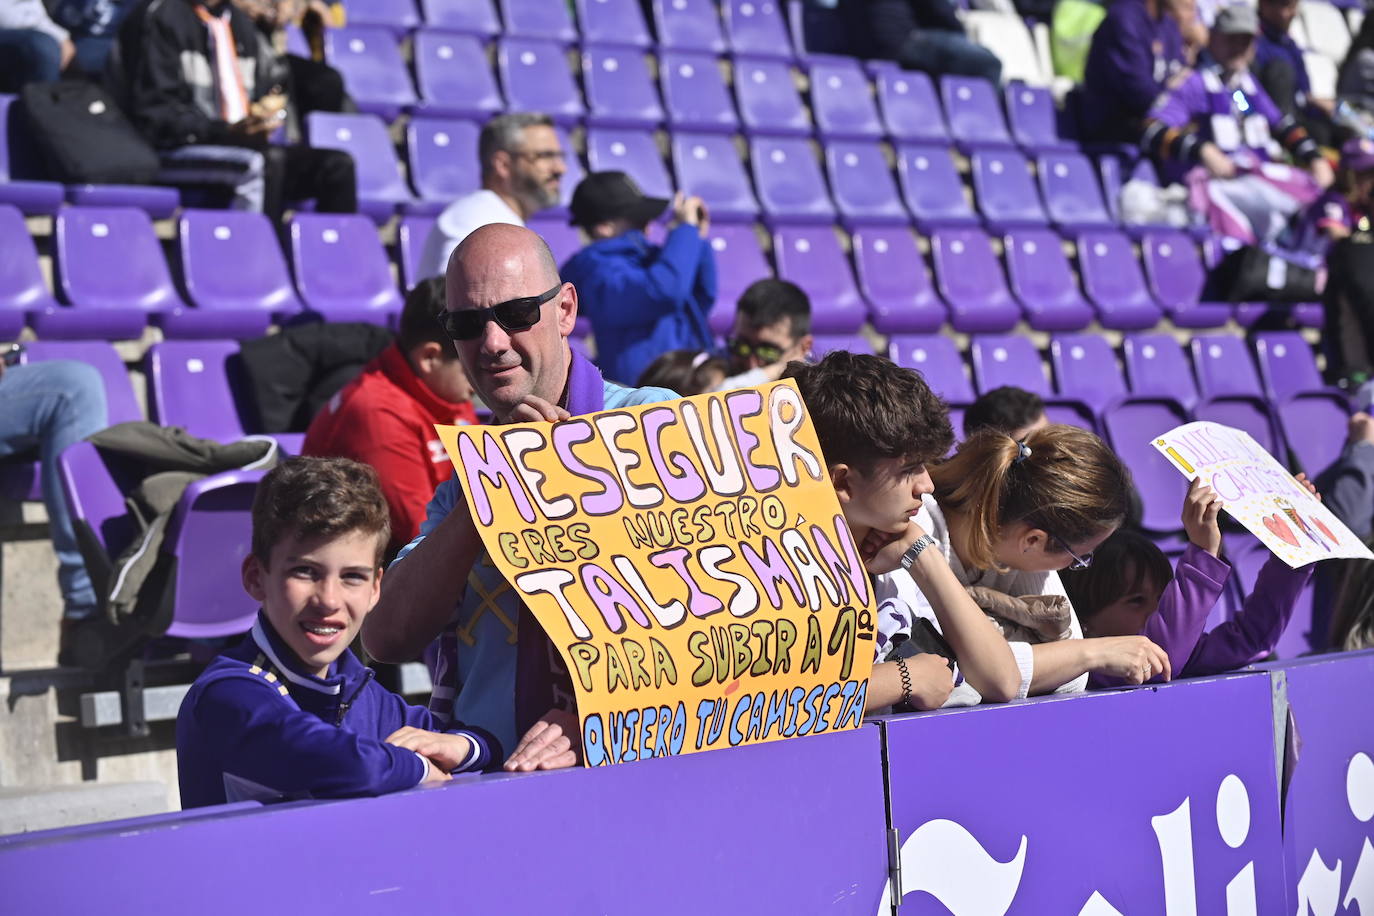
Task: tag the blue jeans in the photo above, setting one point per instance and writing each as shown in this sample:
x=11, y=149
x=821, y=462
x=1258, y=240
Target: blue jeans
x=939, y=52
x=28, y=56
x=50, y=405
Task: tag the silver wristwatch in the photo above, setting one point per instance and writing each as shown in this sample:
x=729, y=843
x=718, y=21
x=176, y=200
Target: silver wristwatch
x=914, y=551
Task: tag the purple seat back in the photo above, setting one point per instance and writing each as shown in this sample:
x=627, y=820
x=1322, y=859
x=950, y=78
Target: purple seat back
x=1224, y=367
x=1286, y=363
x=694, y=92
x=938, y=360
x=842, y=100
x=971, y=281
x=756, y=27
x=1043, y=282
x=189, y=386
x=822, y=344
x=1113, y=281
x=910, y=108
x=396, y=15
x=633, y=152
x=1006, y=195
x=535, y=75
x=619, y=91
x=120, y=401
x=708, y=166
x=768, y=99
x=931, y=187
x=692, y=25
x=370, y=62
x=1129, y=428
x=365, y=138
x=1006, y=360
x=739, y=262
x=1072, y=196
x=894, y=279
x=789, y=180
x=973, y=112
x=1314, y=424
x=110, y=258
x=410, y=242
x=94, y=498
x=340, y=264
x=216, y=244
x=213, y=522
x=574, y=170
x=862, y=183
x=1157, y=368
x=443, y=158
x=1174, y=270
x=563, y=240
x=21, y=281
x=811, y=257
x=538, y=19
x=1033, y=119
x=1085, y=369
x=452, y=74
x=475, y=16
x=613, y=22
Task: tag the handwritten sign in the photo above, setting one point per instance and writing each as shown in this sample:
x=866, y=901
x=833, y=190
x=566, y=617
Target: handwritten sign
x=690, y=563
x=1259, y=493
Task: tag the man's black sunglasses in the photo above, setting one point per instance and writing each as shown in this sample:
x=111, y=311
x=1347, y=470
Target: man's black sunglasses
x=767, y=353
x=512, y=315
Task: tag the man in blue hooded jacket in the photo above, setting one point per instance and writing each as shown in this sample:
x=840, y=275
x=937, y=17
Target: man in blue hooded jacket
x=642, y=299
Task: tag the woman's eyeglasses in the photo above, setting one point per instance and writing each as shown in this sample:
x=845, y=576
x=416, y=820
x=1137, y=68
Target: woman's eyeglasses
x=512, y=315
x=1082, y=562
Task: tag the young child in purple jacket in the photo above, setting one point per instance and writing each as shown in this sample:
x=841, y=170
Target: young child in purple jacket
x=290, y=712
x=1130, y=589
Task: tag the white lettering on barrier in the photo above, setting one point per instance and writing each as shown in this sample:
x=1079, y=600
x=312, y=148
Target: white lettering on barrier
x=1319, y=888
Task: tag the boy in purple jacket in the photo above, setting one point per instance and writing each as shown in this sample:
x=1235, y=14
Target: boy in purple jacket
x=290, y=712
x=1130, y=590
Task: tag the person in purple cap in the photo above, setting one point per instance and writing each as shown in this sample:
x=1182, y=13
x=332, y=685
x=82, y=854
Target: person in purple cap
x=643, y=299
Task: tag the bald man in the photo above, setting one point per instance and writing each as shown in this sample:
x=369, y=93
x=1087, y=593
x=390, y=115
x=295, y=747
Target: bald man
x=509, y=315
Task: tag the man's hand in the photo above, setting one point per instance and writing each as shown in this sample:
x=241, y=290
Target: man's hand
x=1200, y=509
x=931, y=680
x=1133, y=659
x=1361, y=427
x=882, y=551
x=1322, y=172
x=690, y=211
x=253, y=129
x=1217, y=163
x=534, y=409
x=554, y=742
x=446, y=752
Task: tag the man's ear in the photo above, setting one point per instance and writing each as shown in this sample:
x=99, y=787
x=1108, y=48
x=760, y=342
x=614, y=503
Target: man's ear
x=567, y=309
x=252, y=574
x=805, y=343
x=500, y=164
x=842, y=479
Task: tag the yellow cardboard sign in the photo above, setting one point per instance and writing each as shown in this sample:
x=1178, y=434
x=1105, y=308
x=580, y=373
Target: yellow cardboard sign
x=690, y=562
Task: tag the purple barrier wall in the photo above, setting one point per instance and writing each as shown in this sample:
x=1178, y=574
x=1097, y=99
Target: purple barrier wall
x=787, y=827
x=1329, y=807
x=1144, y=801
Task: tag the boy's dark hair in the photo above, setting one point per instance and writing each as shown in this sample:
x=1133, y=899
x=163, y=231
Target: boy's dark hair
x=768, y=301
x=867, y=408
x=318, y=497
x=420, y=317
x=1122, y=564
x=683, y=371
x=1003, y=410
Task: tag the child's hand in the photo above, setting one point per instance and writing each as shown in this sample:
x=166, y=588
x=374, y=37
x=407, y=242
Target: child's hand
x=1308, y=485
x=1200, y=509
x=446, y=752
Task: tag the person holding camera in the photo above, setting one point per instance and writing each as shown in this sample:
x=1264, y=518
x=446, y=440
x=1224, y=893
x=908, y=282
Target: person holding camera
x=643, y=299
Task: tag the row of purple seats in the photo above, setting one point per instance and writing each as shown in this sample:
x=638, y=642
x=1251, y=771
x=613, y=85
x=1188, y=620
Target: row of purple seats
x=113, y=280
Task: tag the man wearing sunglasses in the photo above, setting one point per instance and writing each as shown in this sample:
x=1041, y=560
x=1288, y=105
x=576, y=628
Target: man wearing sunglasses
x=509, y=315
x=772, y=328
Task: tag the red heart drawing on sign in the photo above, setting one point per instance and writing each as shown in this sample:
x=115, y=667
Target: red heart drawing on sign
x=1280, y=529
x=1325, y=530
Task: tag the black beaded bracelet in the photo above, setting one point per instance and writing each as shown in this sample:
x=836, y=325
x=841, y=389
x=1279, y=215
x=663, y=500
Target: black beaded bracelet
x=906, y=680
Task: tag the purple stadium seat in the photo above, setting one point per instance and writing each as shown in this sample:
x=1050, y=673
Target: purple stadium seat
x=215, y=245
x=1043, y=282
x=538, y=19
x=633, y=152
x=613, y=22
x=694, y=92
x=1287, y=365
x=739, y=262
x=938, y=359
x=1130, y=428
x=363, y=136
x=619, y=90
x=822, y=344
x=932, y=189
x=768, y=99
x=911, y=110
x=443, y=162
x=690, y=25
x=789, y=180
x=189, y=386
x=157, y=202
x=1314, y=424
x=1174, y=270
x=19, y=161
x=1033, y=119
x=1113, y=281
x=842, y=100
x=374, y=72
x=811, y=257
x=708, y=166
x=1109, y=173
x=536, y=77
x=1085, y=369
x=971, y=281
x=21, y=281
x=862, y=182
x=893, y=278
x=452, y=75
x=410, y=246
x=1231, y=391
x=474, y=16
x=400, y=16
x=341, y=269
x=756, y=27
x=1073, y=199
x=563, y=240
x=121, y=403
x=1156, y=367
x=1013, y=360
x=973, y=113
x=574, y=169
x=1006, y=195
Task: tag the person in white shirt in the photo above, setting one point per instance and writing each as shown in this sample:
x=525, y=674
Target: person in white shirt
x=522, y=168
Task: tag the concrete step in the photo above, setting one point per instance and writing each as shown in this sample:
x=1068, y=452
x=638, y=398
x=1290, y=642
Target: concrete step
x=47, y=807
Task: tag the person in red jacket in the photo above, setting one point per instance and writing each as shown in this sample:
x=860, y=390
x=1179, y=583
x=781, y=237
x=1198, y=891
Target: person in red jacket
x=385, y=417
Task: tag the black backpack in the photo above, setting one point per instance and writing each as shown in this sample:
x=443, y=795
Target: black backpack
x=83, y=136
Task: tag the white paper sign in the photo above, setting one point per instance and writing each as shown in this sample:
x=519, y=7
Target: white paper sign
x=1259, y=493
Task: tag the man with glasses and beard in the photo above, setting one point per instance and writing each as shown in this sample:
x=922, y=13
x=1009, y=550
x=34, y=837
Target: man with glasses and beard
x=772, y=328
x=509, y=315
x=522, y=166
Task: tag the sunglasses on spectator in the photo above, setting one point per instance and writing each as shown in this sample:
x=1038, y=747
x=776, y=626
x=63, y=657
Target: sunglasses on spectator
x=766, y=352
x=512, y=315
x=1082, y=562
